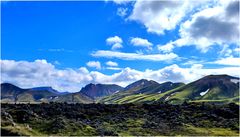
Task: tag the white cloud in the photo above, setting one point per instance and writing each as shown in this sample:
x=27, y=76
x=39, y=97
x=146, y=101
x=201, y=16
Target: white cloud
x=172, y=73
x=140, y=42
x=165, y=48
x=122, y=12
x=113, y=68
x=202, y=23
x=115, y=41
x=94, y=64
x=83, y=70
x=112, y=64
x=116, y=46
x=134, y=56
x=159, y=16
x=216, y=25
x=41, y=73
x=120, y=2
x=231, y=61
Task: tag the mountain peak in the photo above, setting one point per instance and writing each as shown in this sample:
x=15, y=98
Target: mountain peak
x=99, y=90
x=8, y=84
x=221, y=76
x=5, y=87
x=141, y=82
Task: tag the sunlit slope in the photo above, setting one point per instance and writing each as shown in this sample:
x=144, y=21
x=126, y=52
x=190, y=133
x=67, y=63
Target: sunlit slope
x=212, y=88
x=74, y=98
x=215, y=88
x=144, y=91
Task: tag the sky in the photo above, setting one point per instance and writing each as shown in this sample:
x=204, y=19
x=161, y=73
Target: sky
x=67, y=45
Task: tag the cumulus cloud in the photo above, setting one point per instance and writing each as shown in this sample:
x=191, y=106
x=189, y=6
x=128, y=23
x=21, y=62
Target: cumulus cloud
x=94, y=64
x=165, y=48
x=41, y=73
x=112, y=64
x=115, y=41
x=116, y=46
x=134, y=56
x=214, y=25
x=202, y=23
x=159, y=16
x=140, y=42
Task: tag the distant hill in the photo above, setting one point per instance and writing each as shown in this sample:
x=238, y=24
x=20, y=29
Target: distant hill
x=99, y=90
x=11, y=93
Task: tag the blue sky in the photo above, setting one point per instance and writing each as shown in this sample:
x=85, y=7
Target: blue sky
x=117, y=41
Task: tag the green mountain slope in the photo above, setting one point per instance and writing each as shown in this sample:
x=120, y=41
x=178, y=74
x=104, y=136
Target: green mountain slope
x=215, y=88
x=74, y=98
x=140, y=91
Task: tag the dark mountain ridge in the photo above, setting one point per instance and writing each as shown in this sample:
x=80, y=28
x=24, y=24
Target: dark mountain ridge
x=50, y=89
x=99, y=90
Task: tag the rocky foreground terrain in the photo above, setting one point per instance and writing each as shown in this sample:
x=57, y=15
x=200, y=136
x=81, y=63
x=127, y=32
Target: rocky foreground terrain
x=126, y=119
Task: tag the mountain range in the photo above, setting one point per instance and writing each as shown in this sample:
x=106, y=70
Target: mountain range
x=211, y=88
